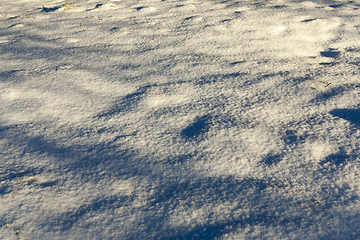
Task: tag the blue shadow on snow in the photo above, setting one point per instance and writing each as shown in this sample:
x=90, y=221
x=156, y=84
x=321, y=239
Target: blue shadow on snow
x=351, y=115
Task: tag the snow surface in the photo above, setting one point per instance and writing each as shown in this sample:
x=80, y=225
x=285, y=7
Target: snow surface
x=194, y=119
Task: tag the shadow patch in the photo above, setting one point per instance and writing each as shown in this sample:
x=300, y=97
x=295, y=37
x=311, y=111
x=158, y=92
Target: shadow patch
x=200, y=126
x=279, y=6
x=352, y=115
x=282, y=74
x=66, y=220
x=3, y=189
x=190, y=18
x=336, y=5
x=309, y=20
x=140, y=8
x=219, y=78
x=350, y=49
x=235, y=63
x=272, y=159
x=330, y=53
x=8, y=75
x=13, y=173
x=334, y=91
x=196, y=194
x=355, y=63
x=46, y=9
x=48, y=184
x=191, y=195
x=340, y=158
x=328, y=64
x=293, y=137
x=126, y=103
x=226, y=20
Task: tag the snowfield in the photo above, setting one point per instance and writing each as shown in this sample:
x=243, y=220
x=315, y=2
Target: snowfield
x=179, y=119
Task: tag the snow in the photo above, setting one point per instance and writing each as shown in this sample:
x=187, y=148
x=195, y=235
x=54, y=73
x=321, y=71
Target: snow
x=196, y=119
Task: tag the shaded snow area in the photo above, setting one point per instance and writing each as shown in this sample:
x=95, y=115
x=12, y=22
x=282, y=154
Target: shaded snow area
x=179, y=119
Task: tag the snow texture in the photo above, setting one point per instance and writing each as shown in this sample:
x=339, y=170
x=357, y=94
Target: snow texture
x=179, y=119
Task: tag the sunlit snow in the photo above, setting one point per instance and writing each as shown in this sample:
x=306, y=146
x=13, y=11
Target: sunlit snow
x=171, y=119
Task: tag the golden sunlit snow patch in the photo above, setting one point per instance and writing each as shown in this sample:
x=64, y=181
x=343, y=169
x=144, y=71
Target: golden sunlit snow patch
x=165, y=100
x=67, y=5
x=13, y=94
x=327, y=24
x=20, y=25
x=106, y=6
x=320, y=150
x=4, y=40
x=275, y=30
x=72, y=40
x=309, y=4
x=301, y=36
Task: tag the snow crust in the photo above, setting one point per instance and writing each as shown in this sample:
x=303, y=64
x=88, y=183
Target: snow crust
x=194, y=119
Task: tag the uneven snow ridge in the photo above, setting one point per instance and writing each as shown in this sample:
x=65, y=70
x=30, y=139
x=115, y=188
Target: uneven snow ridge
x=199, y=119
